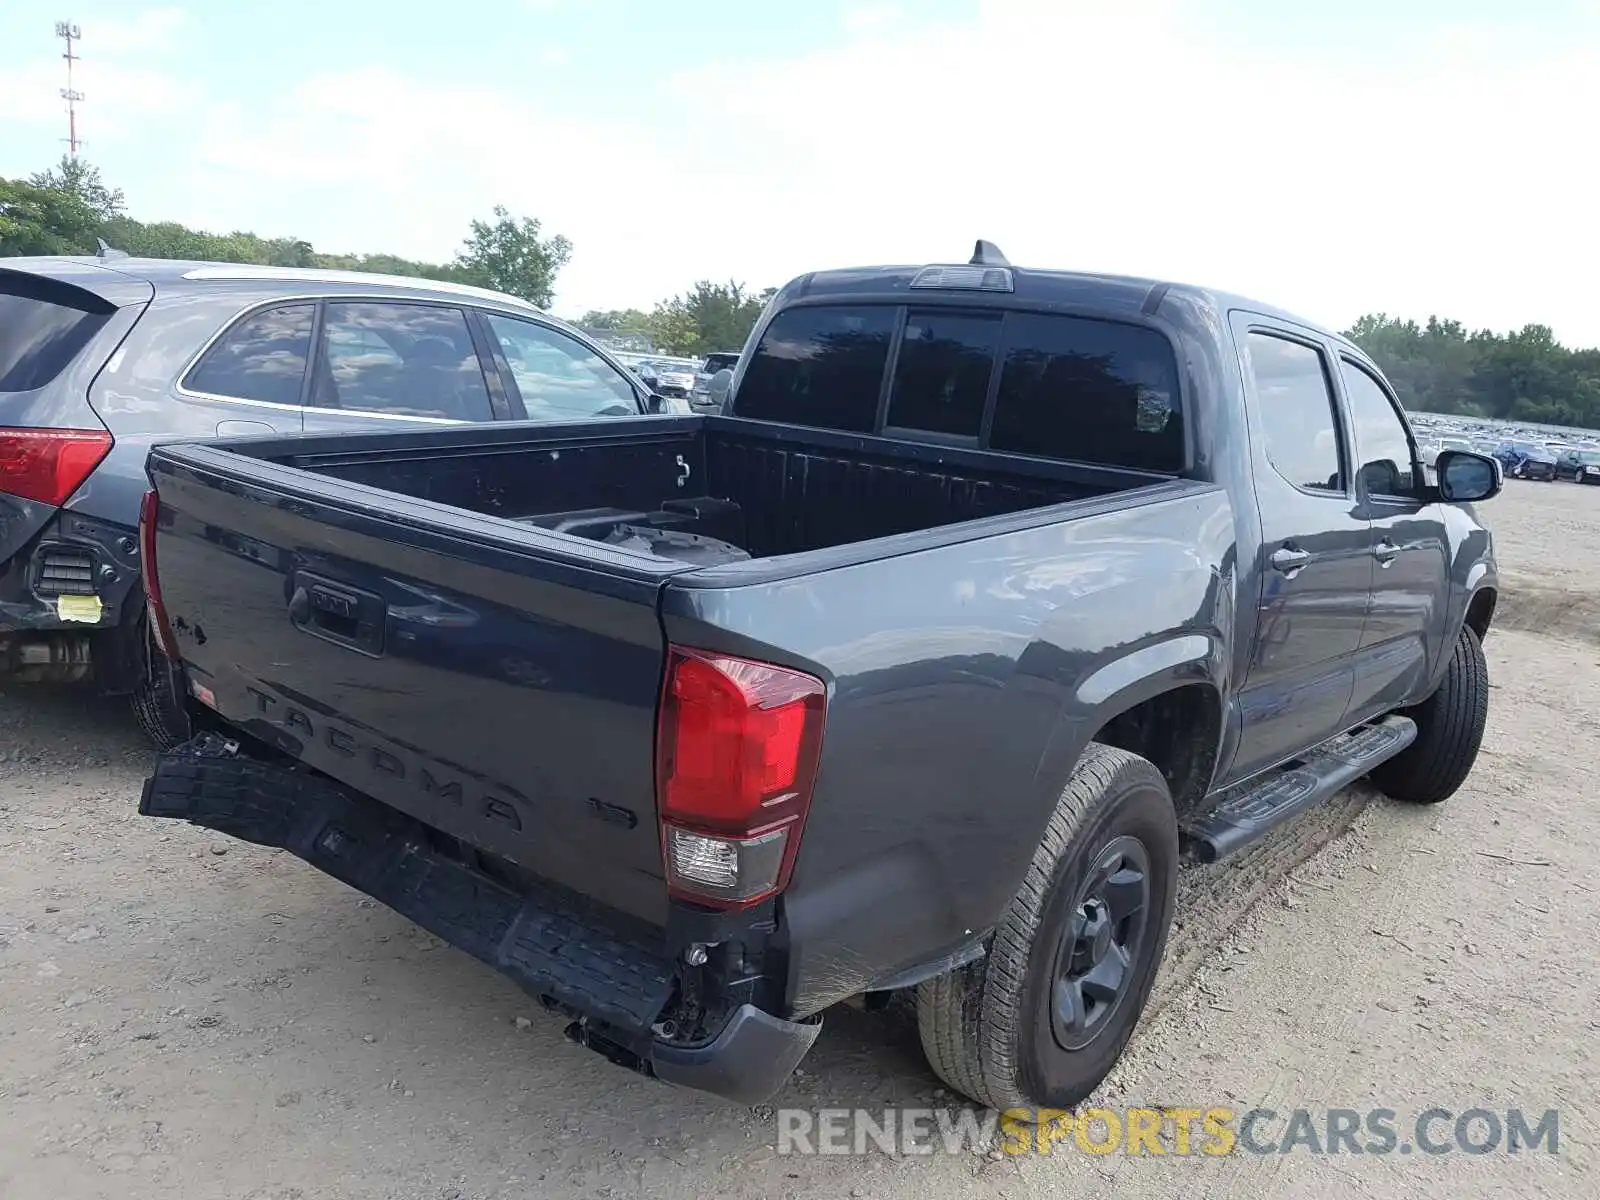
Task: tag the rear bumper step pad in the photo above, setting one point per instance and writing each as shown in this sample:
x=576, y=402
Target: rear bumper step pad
x=543, y=941
x=546, y=941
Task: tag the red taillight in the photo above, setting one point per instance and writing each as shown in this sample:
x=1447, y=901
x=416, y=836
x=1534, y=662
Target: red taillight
x=149, y=513
x=48, y=465
x=736, y=757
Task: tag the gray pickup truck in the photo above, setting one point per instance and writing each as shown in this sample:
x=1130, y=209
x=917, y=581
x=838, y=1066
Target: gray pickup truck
x=988, y=597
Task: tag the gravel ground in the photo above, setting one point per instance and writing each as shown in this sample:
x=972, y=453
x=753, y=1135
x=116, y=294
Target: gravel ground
x=185, y=1016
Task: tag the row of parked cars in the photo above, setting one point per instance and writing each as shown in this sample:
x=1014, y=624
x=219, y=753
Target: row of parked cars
x=1525, y=458
x=685, y=382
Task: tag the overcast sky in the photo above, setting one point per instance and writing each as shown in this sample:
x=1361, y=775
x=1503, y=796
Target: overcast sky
x=1410, y=156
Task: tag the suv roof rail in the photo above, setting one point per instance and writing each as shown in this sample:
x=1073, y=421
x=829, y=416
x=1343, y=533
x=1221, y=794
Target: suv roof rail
x=987, y=254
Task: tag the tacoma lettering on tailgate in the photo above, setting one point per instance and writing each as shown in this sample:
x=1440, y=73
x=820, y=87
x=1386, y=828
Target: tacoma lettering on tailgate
x=502, y=804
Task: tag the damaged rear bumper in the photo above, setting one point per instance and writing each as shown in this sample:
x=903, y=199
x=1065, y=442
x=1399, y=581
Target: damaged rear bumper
x=615, y=980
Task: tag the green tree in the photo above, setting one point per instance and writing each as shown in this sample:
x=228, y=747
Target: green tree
x=82, y=179
x=44, y=220
x=1525, y=375
x=66, y=209
x=616, y=320
x=508, y=255
x=708, y=317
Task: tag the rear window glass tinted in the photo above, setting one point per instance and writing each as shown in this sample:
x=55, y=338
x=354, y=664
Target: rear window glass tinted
x=1092, y=391
x=263, y=357
x=941, y=376
x=39, y=337
x=819, y=366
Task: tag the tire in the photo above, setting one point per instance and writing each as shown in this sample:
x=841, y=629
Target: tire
x=988, y=1028
x=1450, y=727
x=157, y=698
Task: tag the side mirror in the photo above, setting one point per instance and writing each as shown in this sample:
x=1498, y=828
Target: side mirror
x=1464, y=476
x=717, y=390
x=655, y=402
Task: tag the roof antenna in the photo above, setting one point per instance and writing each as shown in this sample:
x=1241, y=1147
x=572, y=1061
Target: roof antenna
x=107, y=251
x=987, y=254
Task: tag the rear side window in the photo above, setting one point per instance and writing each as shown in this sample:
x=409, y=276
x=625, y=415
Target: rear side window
x=941, y=376
x=1093, y=391
x=414, y=360
x=820, y=367
x=1297, y=413
x=263, y=357
x=41, y=331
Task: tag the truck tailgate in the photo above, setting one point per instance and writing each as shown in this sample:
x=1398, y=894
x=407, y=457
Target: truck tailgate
x=499, y=683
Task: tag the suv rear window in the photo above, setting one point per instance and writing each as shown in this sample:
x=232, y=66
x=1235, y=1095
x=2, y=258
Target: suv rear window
x=43, y=326
x=820, y=366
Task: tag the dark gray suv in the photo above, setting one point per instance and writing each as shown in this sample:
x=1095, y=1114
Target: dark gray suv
x=99, y=357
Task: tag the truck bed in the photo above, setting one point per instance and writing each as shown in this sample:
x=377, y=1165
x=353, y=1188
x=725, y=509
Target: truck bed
x=772, y=490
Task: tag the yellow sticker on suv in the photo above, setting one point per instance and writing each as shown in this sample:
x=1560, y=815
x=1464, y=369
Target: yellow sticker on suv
x=79, y=608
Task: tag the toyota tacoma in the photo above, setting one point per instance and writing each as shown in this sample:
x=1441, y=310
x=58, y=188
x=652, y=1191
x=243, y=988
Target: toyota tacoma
x=988, y=598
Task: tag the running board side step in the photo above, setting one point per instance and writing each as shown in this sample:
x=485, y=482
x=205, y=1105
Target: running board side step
x=1244, y=816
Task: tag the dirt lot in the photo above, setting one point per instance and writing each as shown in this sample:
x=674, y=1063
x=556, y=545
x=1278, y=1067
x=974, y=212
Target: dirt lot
x=184, y=1016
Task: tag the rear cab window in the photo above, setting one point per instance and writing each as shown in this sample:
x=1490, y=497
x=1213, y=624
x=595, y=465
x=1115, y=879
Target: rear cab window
x=1095, y=391
x=941, y=375
x=821, y=367
x=44, y=325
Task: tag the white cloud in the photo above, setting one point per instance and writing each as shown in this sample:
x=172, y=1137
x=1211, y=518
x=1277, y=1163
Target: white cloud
x=872, y=18
x=1072, y=132
x=153, y=31
x=1120, y=138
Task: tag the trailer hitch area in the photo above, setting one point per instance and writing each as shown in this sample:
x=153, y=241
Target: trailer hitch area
x=583, y=1032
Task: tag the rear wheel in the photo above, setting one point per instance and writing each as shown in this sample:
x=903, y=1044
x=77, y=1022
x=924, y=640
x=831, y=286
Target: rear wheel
x=1450, y=726
x=158, y=699
x=1041, y=1020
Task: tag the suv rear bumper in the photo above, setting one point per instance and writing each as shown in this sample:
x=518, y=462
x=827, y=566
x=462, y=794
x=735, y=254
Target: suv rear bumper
x=613, y=977
x=64, y=602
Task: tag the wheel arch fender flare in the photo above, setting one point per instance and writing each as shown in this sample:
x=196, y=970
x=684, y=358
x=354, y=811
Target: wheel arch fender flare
x=1193, y=662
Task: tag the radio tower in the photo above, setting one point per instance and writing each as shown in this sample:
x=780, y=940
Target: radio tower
x=69, y=33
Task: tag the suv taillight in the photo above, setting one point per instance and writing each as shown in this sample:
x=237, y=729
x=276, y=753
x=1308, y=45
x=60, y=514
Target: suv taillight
x=160, y=628
x=48, y=465
x=737, y=744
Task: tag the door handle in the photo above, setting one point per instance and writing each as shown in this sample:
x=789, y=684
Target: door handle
x=1289, y=559
x=1385, y=552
